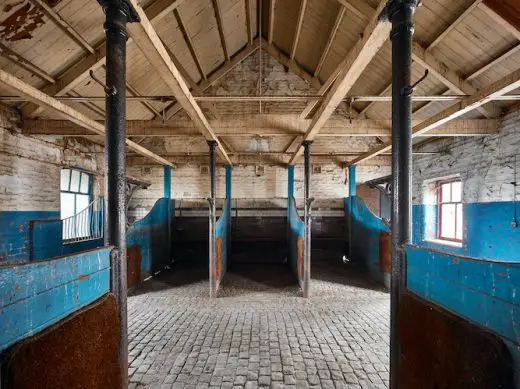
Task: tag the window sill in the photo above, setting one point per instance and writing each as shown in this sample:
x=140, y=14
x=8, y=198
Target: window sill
x=444, y=242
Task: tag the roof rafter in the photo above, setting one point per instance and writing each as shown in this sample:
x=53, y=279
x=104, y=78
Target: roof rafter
x=499, y=88
x=20, y=61
x=299, y=25
x=249, y=25
x=330, y=39
x=148, y=41
x=69, y=113
x=374, y=36
x=220, y=25
x=76, y=73
x=448, y=77
x=189, y=43
x=270, y=35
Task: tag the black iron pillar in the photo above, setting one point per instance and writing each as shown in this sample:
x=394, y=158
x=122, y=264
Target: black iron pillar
x=212, y=220
x=118, y=13
x=307, y=220
x=400, y=13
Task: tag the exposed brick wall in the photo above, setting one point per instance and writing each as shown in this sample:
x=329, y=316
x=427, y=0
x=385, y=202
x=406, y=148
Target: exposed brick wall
x=371, y=198
x=328, y=187
x=486, y=165
x=30, y=167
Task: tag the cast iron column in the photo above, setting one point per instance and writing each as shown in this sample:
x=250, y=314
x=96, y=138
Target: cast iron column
x=307, y=220
x=212, y=220
x=400, y=13
x=118, y=13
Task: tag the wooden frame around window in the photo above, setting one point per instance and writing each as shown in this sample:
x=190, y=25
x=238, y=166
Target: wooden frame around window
x=441, y=202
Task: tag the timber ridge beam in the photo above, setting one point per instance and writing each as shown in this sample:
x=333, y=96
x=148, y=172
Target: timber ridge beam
x=263, y=125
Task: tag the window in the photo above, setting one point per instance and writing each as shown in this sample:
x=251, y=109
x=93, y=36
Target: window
x=450, y=211
x=76, y=195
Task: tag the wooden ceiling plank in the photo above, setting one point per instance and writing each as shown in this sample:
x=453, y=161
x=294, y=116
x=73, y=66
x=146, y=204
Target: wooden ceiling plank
x=189, y=43
x=171, y=110
x=499, y=88
x=299, y=24
x=68, y=112
x=494, y=62
x=330, y=40
x=63, y=25
x=500, y=20
x=220, y=26
x=71, y=77
x=466, y=12
x=374, y=36
x=146, y=38
x=449, y=77
x=20, y=61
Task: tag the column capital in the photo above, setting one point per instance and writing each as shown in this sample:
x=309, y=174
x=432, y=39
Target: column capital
x=212, y=144
x=394, y=6
x=124, y=7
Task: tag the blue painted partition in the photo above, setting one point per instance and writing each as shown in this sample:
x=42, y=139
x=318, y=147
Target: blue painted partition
x=35, y=295
x=366, y=229
x=152, y=236
x=296, y=240
x=484, y=291
x=223, y=235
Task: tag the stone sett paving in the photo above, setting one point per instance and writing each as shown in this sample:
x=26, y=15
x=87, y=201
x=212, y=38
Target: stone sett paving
x=260, y=332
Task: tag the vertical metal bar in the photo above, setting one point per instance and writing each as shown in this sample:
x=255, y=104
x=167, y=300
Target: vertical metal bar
x=228, y=181
x=290, y=194
x=118, y=13
x=307, y=221
x=212, y=221
x=400, y=13
x=351, y=194
x=167, y=181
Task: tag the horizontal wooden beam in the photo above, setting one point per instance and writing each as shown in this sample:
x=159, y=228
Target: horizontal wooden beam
x=501, y=87
x=68, y=113
x=148, y=41
x=263, y=159
x=266, y=126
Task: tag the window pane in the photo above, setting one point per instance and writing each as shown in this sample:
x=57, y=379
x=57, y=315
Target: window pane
x=65, y=177
x=85, y=181
x=81, y=202
x=67, y=205
x=456, y=192
x=74, y=181
x=446, y=193
x=460, y=222
x=448, y=221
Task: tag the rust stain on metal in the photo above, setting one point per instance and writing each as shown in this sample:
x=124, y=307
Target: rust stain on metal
x=21, y=23
x=84, y=277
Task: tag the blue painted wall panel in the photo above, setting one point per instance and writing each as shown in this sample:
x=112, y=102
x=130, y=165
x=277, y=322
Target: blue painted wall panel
x=296, y=231
x=484, y=292
x=152, y=235
x=365, y=235
x=487, y=230
x=34, y=295
x=15, y=233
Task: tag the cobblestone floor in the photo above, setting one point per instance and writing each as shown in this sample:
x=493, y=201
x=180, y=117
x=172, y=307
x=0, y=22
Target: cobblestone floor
x=260, y=332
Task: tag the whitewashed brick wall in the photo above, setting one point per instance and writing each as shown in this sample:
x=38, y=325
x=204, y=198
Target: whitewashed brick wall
x=30, y=167
x=486, y=165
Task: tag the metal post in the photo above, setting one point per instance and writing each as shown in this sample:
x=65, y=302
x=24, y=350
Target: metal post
x=167, y=181
x=118, y=13
x=351, y=194
x=290, y=194
x=212, y=221
x=400, y=13
x=307, y=221
x=228, y=181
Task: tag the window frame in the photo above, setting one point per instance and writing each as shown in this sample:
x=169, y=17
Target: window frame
x=440, y=203
x=90, y=190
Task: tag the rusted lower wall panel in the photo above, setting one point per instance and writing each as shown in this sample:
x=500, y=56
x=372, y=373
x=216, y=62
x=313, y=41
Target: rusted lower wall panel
x=78, y=352
x=442, y=351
